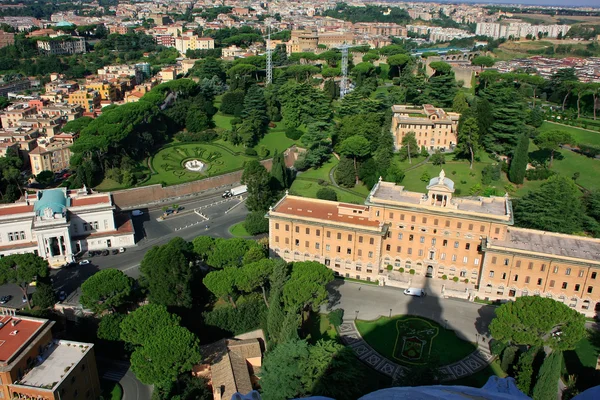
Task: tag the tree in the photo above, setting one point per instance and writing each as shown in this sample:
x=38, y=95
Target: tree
x=546, y=207
x=546, y=386
x=483, y=61
x=524, y=369
x=438, y=158
x=552, y=140
x=459, y=104
x=468, y=139
x=140, y=325
x=203, y=246
x=355, y=147
x=279, y=171
x=326, y=193
x=306, y=287
x=229, y=252
x=168, y=271
x=171, y=351
x=532, y=320
x=398, y=63
x=256, y=223
x=109, y=327
x=508, y=116
x=209, y=67
x=256, y=177
x=45, y=178
x=441, y=86
x=518, y=164
x=105, y=290
x=22, y=269
x=232, y=102
x=344, y=173
x=283, y=371
x=409, y=148
x=44, y=296
x=221, y=283
x=255, y=275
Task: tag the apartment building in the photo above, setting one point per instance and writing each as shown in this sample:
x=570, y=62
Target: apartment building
x=14, y=86
x=58, y=223
x=6, y=39
x=89, y=100
x=518, y=29
x=62, y=45
x=50, y=155
x=193, y=42
x=433, y=127
x=33, y=365
x=13, y=114
x=439, y=236
x=106, y=90
x=25, y=138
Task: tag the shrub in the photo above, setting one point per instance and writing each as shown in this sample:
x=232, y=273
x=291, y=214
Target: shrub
x=293, y=133
x=455, y=279
x=457, y=192
x=326, y=193
x=249, y=315
x=589, y=150
x=444, y=277
x=538, y=174
x=497, y=347
x=401, y=269
x=390, y=267
x=256, y=223
x=205, y=136
x=508, y=357
x=466, y=281
x=250, y=152
x=490, y=173
x=438, y=158
x=425, y=177
x=336, y=317
x=263, y=152
x=412, y=272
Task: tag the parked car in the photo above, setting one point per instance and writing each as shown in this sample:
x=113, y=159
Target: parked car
x=90, y=253
x=5, y=299
x=414, y=292
x=105, y=253
x=122, y=250
x=84, y=262
x=115, y=251
x=62, y=295
x=137, y=213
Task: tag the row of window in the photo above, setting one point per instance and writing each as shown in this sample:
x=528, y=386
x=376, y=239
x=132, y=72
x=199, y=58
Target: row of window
x=551, y=284
x=13, y=236
x=317, y=233
x=555, y=270
x=411, y=238
x=424, y=126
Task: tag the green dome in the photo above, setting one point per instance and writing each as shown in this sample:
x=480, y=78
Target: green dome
x=55, y=199
x=64, y=23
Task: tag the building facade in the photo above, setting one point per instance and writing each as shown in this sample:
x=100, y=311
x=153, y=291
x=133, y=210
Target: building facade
x=433, y=127
x=438, y=236
x=89, y=100
x=52, y=156
x=33, y=365
x=58, y=223
x=519, y=29
x=57, y=46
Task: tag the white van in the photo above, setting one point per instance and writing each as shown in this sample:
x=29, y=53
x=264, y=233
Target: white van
x=414, y=292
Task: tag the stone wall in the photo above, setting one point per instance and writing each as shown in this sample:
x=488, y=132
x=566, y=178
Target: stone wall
x=155, y=194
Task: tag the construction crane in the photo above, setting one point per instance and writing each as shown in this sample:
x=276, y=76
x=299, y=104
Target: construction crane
x=344, y=89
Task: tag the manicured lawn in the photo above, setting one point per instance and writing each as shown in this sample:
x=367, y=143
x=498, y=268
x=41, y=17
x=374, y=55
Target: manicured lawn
x=582, y=362
x=111, y=390
x=238, y=230
x=306, y=188
x=168, y=162
x=320, y=173
x=223, y=121
x=275, y=140
x=580, y=135
x=108, y=185
x=388, y=337
x=463, y=177
x=318, y=327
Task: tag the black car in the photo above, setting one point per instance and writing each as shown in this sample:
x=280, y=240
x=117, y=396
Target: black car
x=5, y=299
x=115, y=251
x=105, y=253
x=91, y=254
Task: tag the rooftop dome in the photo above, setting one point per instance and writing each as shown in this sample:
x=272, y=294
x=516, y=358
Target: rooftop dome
x=441, y=179
x=54, y=199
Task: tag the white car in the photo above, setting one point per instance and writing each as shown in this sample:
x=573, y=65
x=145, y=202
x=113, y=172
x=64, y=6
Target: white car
x=84, y=262
x=122, y=250
x=136, y=213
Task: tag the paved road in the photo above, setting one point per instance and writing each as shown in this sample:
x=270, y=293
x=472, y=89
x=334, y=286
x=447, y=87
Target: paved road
x=119, y=371
x=469, y=320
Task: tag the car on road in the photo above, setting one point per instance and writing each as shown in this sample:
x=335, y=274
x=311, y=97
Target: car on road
x=414, y=292
x=90, y=253
x=62, y=295
x=122, y=250
x=84, y=262
x=5, y=299
x=115, y=251
x=137, y=213
x=105, y=253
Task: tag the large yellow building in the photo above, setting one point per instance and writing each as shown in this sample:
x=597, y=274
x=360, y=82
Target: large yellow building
x=433, y=127
x=89, y=100
x=106, y=90
x=439, y=237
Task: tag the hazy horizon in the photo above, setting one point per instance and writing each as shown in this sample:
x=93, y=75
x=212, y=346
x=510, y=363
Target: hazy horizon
x=552, y=3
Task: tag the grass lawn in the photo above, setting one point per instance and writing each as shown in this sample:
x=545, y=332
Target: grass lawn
x=480, y=378
x=111, y=390
x=318, y=327
x=168, y=163
x=306, y=188
x=223, y=121
x=275, y=140
x=580, y=135
x=320, y=173
x=238, y=230
x=108, y=185
x=384, y=336
x=582, y=362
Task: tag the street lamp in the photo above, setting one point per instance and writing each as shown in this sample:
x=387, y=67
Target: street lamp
x=446, y=323
x=356, y=315
x=390, y=313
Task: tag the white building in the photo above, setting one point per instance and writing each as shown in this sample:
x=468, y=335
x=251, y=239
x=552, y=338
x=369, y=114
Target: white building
x=58, y=223
x=518, y=29
x=62, y=45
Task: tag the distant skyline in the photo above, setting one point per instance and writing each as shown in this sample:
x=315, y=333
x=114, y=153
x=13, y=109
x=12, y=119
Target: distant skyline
x=552, y=3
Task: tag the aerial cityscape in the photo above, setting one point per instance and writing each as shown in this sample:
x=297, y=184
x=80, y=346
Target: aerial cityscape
x=292, y=199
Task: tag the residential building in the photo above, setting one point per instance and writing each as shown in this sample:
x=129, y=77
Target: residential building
x=168, y=74
x=6, y=147
x=106, y=90
x=33, y=365
x=50, y=155
x=193, y=42
x=439, y=236
x=14, y=86
x=46, y=125
x=6, y=39
x=24, y=137
x=58, y=223
x=13, y=114
x=68, y=112
x=89, y=100
x=433, y=127
x=519, y=29
x=62, y=45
